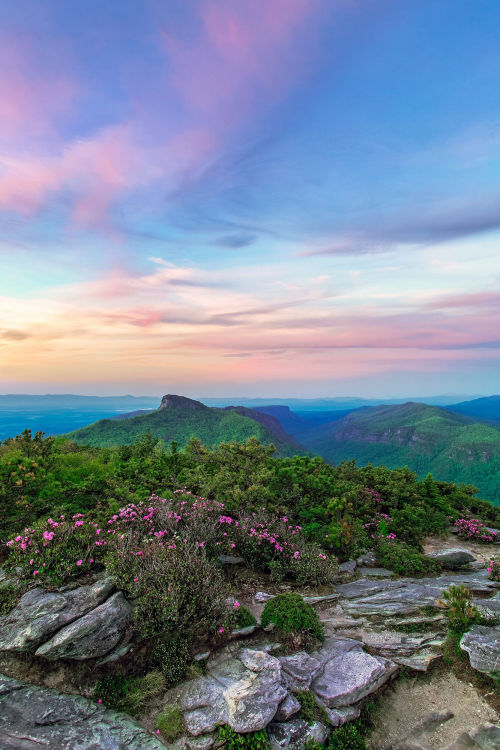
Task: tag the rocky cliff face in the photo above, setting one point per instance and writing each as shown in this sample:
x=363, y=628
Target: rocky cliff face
x=171, y=401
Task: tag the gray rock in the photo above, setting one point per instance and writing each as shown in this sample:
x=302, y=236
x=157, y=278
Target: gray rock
x=452, y=559
x=116, y=654
x=294, y=734
x=487, y=737
x=483, y=646
x=92, y=635
x=201, y=656
x=40, y=613
x=376, y=572
x=241, y=632
x=349, y=673
x=347, y=567
x=489, y=608
x=299, y=670
x=203, y=742
x=261, y=596
x=3, y=574
x=368, y=560
x=288, y=708
x=340, y=716
x=230, y=560
x=31, y=716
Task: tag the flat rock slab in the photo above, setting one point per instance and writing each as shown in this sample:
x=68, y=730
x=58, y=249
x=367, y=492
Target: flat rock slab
x=452, y=558
x=91, y=636
x=482, y=643
x=32, y=717
x=376, y=572
x=39, y=614
x=406, y=595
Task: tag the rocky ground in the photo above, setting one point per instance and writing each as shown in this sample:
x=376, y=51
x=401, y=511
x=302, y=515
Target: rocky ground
x=377, y=627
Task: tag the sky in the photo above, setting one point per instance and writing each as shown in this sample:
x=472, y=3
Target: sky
x=250, y=197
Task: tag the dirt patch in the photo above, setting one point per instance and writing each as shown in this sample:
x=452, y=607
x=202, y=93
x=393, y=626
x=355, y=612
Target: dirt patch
x=402, y=709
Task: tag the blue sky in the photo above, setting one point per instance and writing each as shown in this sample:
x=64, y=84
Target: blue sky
x=230, y=197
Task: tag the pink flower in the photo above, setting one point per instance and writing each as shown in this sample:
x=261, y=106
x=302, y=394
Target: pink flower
x=221, y=630
x=35, y=572
x=236, y=605
x=79, y=562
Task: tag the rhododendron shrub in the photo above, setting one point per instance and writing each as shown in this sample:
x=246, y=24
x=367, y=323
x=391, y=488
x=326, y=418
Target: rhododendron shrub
x=472, y=528
x=494, y=570
x=175, y=587
x=58, y=550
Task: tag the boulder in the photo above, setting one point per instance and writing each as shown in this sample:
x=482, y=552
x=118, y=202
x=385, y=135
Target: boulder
x=31, y=716
x=39, y=614
x=452, y=559
x=242, y=688
x=482, y=643
x=91, y=636
x=348, y=673
x=294, y=734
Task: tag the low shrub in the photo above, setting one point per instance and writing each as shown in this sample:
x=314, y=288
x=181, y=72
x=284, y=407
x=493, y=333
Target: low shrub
x=57, y=551
x=494, y=570
x=250, y=741
x=170, y=723
x=413, y=522
x=9, y=595
x=348, y=737
x=176, y=588
x=404, y=560
x=293, y=617
x=129, y=694
x=171, y=656
x=244, y=618
x=460, y=611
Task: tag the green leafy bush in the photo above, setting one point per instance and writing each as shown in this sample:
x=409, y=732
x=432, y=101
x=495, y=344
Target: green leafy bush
x=292, y=617
x=170, y=723
x=348, y=737
x=244, y=618
x=460, y=611
x=250, y=741
x=129, y=694
x=405, y=560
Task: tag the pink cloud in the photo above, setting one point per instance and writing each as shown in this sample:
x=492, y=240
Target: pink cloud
x=30, y=100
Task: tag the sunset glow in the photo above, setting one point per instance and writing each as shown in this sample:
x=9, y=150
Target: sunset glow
x=234, y=197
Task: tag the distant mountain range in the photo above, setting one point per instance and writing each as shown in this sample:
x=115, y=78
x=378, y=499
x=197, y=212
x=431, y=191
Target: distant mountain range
x=460, y=442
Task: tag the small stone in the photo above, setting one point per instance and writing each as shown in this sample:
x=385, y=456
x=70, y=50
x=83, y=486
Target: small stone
x=287, y=708
x=348, y=567
x=230, y=560
x=240, y=632
x=368, y=560
x=261, y=596
x=201, y=656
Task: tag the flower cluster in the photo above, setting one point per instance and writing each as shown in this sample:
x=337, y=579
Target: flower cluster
x=472, y=528
x=494, y=570
x=69, y=547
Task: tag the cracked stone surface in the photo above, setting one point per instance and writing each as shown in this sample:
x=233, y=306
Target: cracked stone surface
x=39, y=614
x=482, y=643
x=32, y=717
